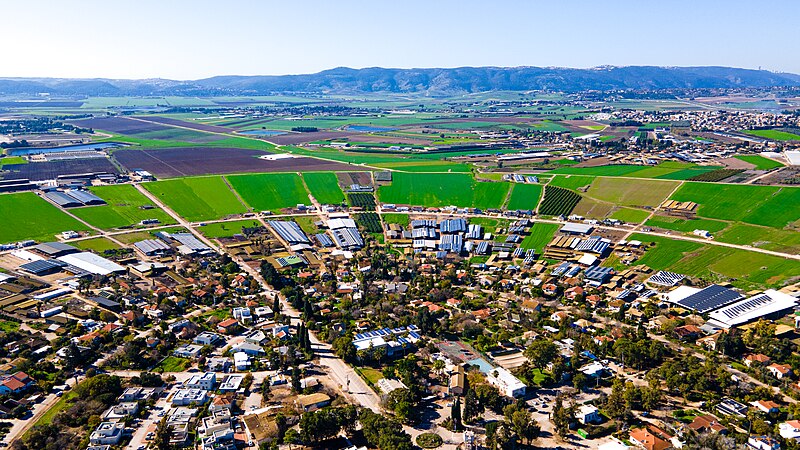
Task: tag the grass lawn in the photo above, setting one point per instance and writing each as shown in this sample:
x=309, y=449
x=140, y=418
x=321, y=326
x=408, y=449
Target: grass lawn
x=324, y=186
x=370, y=374
x=401, y=219
x=541, y=235
x=226, y=229
x=759, y=205
x=270, y=191
x=307, y=223
x=172, y=364
x=28, y=216
x=8, y=326
x=620, y=191
x=98, y=245
x=630, y=215
x=62, y=404
x=198, y=198
x=774, y=135
x=8, y=160
x=760, y=162
x=136, y=236
x=123, y=208
x=426, y=189
x=524, y=196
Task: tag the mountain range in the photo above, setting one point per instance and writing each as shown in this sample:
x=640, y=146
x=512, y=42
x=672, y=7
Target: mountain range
x=417, y=81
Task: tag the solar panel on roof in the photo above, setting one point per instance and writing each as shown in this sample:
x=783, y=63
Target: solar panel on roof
x=414, y=335
x=42, y=266
x=710, y=298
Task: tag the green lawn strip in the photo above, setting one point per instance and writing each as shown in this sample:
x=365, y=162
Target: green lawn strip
x=8, y=160
x=30, y=217
x=324, y=186
x=171, y=364
x=123, y=208
x=524, y=196
x=226, y=229
x=573, y=182
x=197, y=198
x=270, y=191
x=541, y=234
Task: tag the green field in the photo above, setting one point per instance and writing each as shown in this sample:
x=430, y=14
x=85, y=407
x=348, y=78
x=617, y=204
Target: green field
x=773, y=135
x=226, y=229
x=27, y=216
x=760, y=162
x=620, y=191
x=541, y=235
x=759, y=205
x=123, y=208
x=573, y=182
x=98, y=245
x=425, y=189
x=745, y=269
x=630, y=215
x=524, y=196
x=324, y=186
x=668, y=170
x=686, y=225
x=199, y=198
x=762, y=237
x=270, y=191
x=400, y=219
x=8, y=160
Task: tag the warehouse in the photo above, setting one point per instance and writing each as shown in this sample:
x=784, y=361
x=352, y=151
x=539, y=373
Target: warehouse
x=55, y=249
x=289, y=232
x=708, y=299
x=769, y=303
x=63, y=200
x=42, y=267
x=452, y=243
x=190, y=244
x=85, y=197
x=152, y=247
x=577, y=228
x=348, y=238
x=453, y=226
x=92, y=263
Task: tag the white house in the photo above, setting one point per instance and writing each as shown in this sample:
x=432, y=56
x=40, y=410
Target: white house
x=588, y=414
x=506, y=382
x=790, y=429
x=107, y=433
x=241, y=361
x=206, y=381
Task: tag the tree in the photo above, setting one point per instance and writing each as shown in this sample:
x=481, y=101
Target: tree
x=382, y=432
x=276, y=305
x=562, y=416
x=472, y=407
x=343, y=348
x=520, y=422
x=163, y=435
x=296, y=385
x=541, y=352
x=292, y=437
x=579, y=381
x=455, y=414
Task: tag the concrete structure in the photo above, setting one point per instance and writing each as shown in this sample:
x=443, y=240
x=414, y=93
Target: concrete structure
x=507, y=383
x=107, y=433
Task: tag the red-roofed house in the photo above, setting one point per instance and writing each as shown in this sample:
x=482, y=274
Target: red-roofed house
x=780, y=371
x=228, y=326
x=755, y=359
x=18, y=382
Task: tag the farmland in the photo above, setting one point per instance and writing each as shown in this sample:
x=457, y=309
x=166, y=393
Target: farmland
x=124, y=208
x=362, y=200
x=370, y=222
x=195, y=199
x=773, y=135
x=324, y=186
x=686, y=225
x=400, y=219
x=760, y=162
x=630, y=215
x=541, y=235
x=558, y=201
x=758, y=205
x=620, y=191
x=226, y=229
x=31, y=217
x=573, y=182
x=524, y=196
x=762, y=237
x=426, y=189
x=270, y=191
x=669, y=170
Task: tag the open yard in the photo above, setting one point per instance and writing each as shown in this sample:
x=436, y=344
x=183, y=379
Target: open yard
x=760, y=162
x=30, y=217
x=270, y=191
x=195, y=199
x=125, y=206
x=99, y=244
x=426, y=189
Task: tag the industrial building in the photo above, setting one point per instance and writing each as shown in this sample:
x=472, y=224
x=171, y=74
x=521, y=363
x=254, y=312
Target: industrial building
x=289, y=232
x=769, y=303
x=92, y=263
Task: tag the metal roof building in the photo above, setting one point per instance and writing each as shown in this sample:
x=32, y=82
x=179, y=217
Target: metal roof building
x=92, y=263
x=53, y=249
x=152, y=246
x=750, y=309
x=347, y=238
x=577, y=228
x=452, y=243
x=63, y=200
x=190, y=241
x=598, y=274
x=710, y=298
x=289, y=231
x=453, y=226
x=85, y=197
x=42, y=267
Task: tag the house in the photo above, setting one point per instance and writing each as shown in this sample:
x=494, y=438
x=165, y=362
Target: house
x=206, y=381
x=763, y=443
x=506, y=382
x=588, y=414
x=313, y=402
x=687, y=332
x=16, y=383
x=183, y=397
x=228, y=326
x=766, y=406
x=755, y=359
x=241, y=361
x=707, y=423
x=249, y=349
x=458, y=381
x=188, y=351
x=107, y=433
x=120, y=411
x=731, y=407
x=650, y=438
x=780, y=371
x=790, y=429
x=531, y=306
x=208, y=338
x=242, y=314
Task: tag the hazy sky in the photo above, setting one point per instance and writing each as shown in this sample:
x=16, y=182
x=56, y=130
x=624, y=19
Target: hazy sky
x=194, y=39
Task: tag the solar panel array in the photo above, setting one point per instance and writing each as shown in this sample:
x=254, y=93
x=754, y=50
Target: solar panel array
x=560, y=269
x=751, y=304
x=289, y=231
x=453, y=226
x=452, y=243
x=710, y=298
x=85, y=197
x=664, y=278
x=600, y=274
x=324, y=240
x=484, y=248
x=42, y=266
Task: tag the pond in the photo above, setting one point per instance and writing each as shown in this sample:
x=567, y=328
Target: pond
x=368, y=129
x=68, y=148
x=262, y=132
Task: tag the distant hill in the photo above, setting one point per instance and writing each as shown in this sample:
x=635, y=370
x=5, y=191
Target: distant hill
x=424, y=81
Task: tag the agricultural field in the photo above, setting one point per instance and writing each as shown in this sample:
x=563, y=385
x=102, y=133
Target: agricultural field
x=270, y=191
x=668, y=170
x=400, y=219
x=716, y=175
x=541, y=234
x=524, y=196
x=324, y=186
x=558, y=201
x=773, y=135
x=124, y=208
x=620, y=191
x=594, y=209
x=574, y=182
x=363, y=200
x=226, y=229
x=98, y=245
x=760, y=162
x=426, y=189
x=369, y=221
x=196, y=199
x=761, y=237
x=686, y=225
x=758, y=205
x=666, y=252
x=31, y=217
x=630, y=215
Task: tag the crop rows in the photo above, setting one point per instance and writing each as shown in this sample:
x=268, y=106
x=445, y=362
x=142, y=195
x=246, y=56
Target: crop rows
x=362, y=200
x=716, y=175
x=558, y=201
x=371, y=222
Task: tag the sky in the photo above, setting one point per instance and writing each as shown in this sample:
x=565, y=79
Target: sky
x=184, y=40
